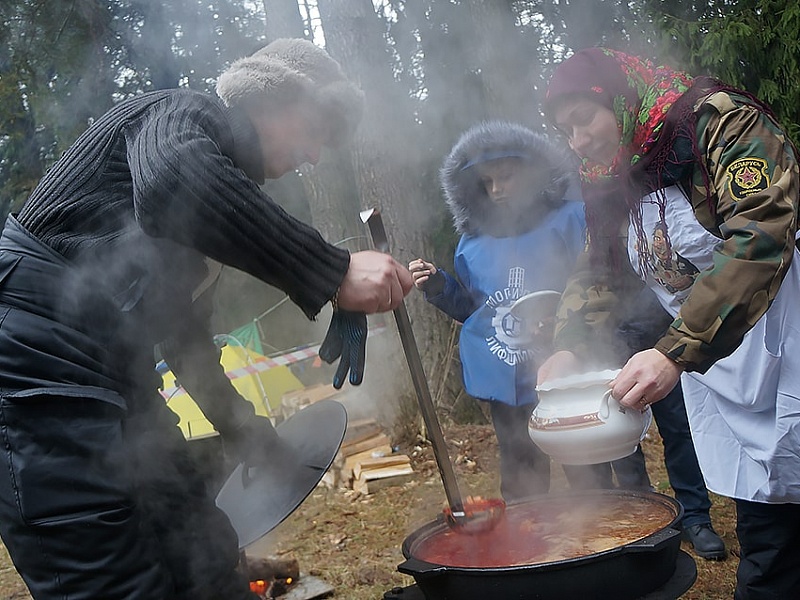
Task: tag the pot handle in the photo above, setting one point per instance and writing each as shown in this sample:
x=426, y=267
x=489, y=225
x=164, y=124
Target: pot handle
x=648, y=420
x=605, y=411
x=655, y=541
x=605, y=408
x=419, y=568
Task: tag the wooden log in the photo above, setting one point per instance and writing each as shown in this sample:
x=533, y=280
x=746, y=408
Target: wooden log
x=371, y=464
x=330, y=479
x=272, y=567
x=376, y=479
x=369, y=443
x=295, y=400
x=349, y=463
x=360, y=431
x=358, y=423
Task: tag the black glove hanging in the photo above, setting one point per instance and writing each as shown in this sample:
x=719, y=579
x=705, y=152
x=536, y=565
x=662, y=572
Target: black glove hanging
x=346, y=337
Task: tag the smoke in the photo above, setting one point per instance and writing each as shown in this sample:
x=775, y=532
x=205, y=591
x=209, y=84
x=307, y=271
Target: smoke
x=385, y=375
x=452, y=87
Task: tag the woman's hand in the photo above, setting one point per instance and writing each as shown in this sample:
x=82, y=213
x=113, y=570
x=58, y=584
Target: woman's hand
x=375, y=282
x=560, y=364
x=647, y=377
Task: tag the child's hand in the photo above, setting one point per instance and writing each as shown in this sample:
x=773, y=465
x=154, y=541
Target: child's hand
x=421, y=271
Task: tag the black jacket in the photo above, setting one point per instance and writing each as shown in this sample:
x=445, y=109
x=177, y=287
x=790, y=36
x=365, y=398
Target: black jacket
x=126, y=218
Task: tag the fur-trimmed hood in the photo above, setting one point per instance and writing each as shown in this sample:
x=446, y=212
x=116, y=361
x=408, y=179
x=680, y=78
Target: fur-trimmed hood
x=472, y=210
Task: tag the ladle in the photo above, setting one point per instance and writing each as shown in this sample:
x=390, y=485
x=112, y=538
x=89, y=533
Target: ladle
x=476, y=515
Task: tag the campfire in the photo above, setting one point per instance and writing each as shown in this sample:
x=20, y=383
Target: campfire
x=271, y=577
x=267, y=590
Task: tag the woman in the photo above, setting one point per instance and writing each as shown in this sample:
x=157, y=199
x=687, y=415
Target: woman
x=712, y=165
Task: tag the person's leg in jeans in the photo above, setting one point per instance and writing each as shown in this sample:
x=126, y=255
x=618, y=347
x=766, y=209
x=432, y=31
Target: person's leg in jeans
x=631, y=471
x=589, y=477
x=680, y=458
x=524, y=468
x=685, y=476
x=769, y=563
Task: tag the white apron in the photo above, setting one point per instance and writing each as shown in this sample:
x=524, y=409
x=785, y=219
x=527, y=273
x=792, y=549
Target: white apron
x=744, y=412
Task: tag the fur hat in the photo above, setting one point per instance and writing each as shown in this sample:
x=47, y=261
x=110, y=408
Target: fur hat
x=288, y=69
x=473, y=213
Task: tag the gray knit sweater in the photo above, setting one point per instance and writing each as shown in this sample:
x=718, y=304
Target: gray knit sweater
x=178, y=165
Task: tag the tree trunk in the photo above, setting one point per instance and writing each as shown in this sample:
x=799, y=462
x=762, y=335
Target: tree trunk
x=329, y=187
x=456, y=98
x=155, y=46
x=283, y=19
x=22, y=162
x=505, y=68
x=388, y=154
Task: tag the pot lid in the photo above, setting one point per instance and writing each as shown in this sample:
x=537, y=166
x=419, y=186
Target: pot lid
x=257, y=499
x=579, y=380
x=536, y=306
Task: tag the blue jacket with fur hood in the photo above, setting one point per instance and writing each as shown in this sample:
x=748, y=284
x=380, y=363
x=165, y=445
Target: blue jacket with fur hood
x=501, y=257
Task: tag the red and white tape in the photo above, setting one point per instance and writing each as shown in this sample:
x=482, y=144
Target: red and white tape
x=264, y=363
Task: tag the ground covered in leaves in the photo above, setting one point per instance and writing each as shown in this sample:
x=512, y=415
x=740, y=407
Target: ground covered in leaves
x=353, y=542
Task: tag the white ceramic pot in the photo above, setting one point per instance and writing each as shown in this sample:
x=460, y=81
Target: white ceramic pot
x=577, y=422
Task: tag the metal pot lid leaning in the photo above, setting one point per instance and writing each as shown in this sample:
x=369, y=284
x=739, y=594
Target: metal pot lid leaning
x=258, y=499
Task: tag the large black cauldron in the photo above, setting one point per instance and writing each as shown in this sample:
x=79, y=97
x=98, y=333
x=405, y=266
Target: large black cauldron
x=626, y=572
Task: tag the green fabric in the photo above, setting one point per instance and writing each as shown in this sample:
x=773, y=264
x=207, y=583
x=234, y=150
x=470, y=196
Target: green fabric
x=249, y=337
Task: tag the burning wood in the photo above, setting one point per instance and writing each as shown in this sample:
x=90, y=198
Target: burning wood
x=272, y=577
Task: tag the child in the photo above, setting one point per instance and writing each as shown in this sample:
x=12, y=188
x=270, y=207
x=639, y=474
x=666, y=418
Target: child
x=506, y=188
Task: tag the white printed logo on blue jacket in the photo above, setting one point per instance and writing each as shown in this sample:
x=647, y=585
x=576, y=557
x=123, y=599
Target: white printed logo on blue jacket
x=511, y=338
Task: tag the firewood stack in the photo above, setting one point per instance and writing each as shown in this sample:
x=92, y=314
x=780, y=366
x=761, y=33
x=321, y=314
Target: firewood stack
x=366, y=462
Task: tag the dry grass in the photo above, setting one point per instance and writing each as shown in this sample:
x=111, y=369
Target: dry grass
x=11, y=586
x=353, y=542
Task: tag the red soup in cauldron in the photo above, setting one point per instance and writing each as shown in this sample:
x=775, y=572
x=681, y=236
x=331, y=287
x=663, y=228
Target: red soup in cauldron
x=548, y=529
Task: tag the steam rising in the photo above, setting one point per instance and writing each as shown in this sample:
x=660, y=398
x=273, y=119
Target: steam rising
x=439, y=86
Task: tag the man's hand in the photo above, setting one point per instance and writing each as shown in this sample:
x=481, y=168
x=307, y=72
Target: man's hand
x=646, y=378
x=560, y=364
x=375, y=282
x=346, y=337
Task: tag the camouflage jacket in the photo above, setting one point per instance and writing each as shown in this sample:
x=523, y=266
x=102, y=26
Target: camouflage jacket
x=755, y=220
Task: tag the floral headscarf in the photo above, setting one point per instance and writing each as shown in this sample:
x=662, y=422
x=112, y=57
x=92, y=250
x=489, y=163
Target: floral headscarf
x=639, y=94
x=657, y=144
